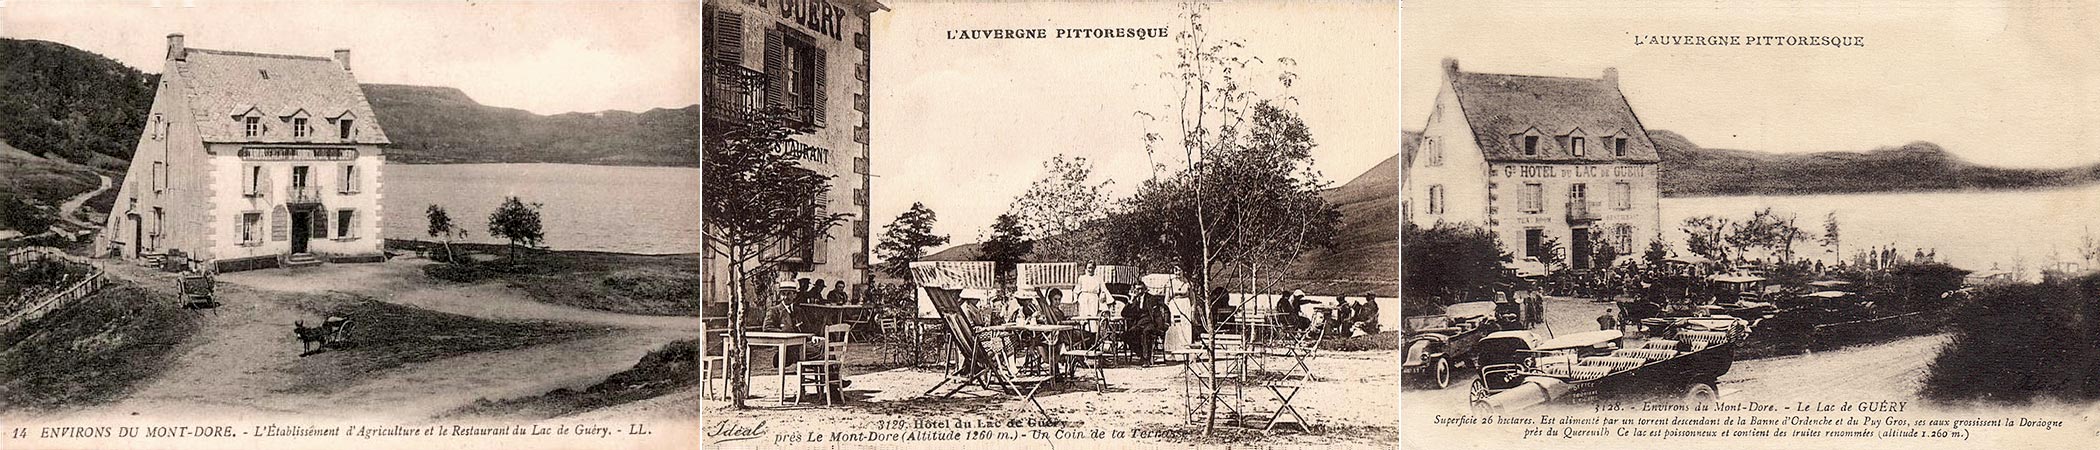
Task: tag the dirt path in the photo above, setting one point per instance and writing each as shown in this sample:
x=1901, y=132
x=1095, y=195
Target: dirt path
x=240, y=363
x=66, y=210
x=1886, y=371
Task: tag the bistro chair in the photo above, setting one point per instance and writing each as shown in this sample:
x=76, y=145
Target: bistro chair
x=826, y=371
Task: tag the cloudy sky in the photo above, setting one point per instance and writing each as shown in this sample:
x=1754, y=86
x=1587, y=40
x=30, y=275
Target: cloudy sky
x=1994, y=84
x=546, y=57
x=965, y=125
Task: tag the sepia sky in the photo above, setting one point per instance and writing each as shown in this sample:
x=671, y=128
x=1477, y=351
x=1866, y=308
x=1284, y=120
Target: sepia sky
x=542, y=56
x=1997, y=85
x=965, y=125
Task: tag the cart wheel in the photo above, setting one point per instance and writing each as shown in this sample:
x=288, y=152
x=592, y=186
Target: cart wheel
x=1442, y=373
x=1701, y=393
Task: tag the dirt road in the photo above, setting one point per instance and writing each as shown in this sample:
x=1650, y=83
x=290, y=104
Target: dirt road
x=240, y=363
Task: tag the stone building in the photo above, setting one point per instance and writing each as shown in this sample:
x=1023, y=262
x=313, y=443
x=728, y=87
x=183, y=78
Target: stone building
x=1536, y=160
x=810, y=56
x=252, y=160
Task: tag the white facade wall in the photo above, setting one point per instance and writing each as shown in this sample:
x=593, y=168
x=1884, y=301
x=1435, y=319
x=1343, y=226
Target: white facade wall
x=1450, y=161
x=230, y=203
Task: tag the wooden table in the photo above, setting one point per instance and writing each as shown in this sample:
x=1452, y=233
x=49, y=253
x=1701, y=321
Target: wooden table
x=780, y=343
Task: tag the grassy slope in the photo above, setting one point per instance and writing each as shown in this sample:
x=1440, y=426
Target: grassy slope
x=624, y=283
x=663, y=371
x=384, y=335
x=92, y=352
x=48, y=182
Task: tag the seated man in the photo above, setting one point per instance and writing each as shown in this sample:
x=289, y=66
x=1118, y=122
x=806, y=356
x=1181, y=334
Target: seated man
x=1145, y=320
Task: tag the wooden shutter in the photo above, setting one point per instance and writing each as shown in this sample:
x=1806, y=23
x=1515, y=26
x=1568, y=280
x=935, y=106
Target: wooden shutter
x=728, y=37
x=776, y=68
x=280, y=224
x=817, y=75
x=319, y=221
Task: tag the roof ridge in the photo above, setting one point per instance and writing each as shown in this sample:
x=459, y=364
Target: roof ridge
x=258, y=55
x=1532, y=76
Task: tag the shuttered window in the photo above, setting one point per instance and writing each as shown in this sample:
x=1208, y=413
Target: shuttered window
x=725, y=36
x=796, y=72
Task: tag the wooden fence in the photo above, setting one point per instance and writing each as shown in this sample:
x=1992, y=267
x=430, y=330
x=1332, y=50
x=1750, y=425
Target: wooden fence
x=65, y=296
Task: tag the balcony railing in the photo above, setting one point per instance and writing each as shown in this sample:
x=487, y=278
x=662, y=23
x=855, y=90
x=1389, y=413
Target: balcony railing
x=1583, y=211
x=301, y=195
x=734, y=93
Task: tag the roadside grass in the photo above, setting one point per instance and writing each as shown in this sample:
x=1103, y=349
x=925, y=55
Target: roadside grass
x=385, y=335
x=93, y=351
x=663, y=285
x=48, y=182
x=1383, y=340
x=665, y=370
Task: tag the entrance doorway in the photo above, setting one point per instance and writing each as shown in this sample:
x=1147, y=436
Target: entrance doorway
x=138, y=235
x=300, y=230
x=1579, y=248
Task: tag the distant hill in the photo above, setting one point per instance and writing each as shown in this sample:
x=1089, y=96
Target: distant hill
x=442, y=125
x=89, y=109
x=1689, y=170
x=68, y=102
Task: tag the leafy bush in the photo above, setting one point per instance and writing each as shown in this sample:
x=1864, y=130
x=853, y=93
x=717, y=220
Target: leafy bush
x=462, y=273
x=652, y=285
x=2022, y=342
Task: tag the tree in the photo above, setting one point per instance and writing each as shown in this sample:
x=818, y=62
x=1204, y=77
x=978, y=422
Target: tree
x=1707, y=236
x=759, y=209
x=1007, y=244
x=1447, y=264
x=23, y=215
x=1769, y=231
x=906, y=239
x=1552, y=254
x=441, y=227
x=519, y=222
x=1602, y=253
x=1062, y=209
x=1830, y=234
x=1246, y=201
x=1657, y=252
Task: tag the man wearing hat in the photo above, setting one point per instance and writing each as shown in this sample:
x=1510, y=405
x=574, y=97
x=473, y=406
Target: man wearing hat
x=780, y=315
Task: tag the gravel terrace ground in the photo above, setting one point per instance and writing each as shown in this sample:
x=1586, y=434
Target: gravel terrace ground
x=239, y=366
x=1350, y=404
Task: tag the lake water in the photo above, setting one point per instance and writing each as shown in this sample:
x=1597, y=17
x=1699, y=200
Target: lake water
x=1971, y=230
x=604, y=208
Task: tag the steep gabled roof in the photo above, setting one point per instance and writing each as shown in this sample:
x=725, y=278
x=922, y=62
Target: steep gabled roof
x=220, y=81
x=1498, y=106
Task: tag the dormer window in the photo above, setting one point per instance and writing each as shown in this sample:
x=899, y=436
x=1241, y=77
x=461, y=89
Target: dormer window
x=300, y=129
x=1618, y=147
x=1575, y=143
x=251, y=126
x=343, y=127
x=1531, y=145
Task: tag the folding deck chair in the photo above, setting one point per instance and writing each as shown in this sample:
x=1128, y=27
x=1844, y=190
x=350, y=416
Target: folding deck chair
x=943, y=282
x=1285, y=386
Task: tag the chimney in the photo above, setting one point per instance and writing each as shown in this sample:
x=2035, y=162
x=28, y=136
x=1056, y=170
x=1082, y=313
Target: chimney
x=1451, y=68
x=1611, y=76
x=175, y=46
x=342, y=56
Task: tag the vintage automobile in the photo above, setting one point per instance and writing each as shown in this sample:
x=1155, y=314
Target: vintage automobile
x=1682, y=362
x=1437, y=344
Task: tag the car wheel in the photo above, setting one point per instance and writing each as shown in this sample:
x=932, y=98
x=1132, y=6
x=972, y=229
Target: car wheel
x=1701, y=393
x=1442, y=371
x=1478, y=398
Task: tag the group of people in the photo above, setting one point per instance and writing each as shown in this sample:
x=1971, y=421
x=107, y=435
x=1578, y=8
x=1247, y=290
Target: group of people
x=786, y=313
x=1347, y=318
